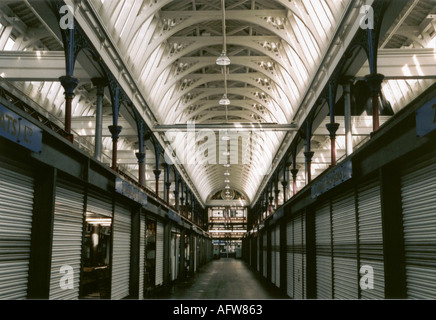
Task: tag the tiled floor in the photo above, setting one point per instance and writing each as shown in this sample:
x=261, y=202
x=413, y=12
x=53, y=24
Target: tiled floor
x=225, y=278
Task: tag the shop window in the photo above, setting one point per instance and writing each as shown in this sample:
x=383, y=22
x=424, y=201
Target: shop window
x=96, y=258
x=150, y=254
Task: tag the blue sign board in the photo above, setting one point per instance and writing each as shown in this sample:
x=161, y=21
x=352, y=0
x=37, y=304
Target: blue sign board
x=174, y=216
x=130, y=191
x=16, y=129
x=278, y=214
x=426, y=118
x=339, y=175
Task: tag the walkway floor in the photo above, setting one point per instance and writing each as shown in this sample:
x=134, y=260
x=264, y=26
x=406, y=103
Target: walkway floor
x=225, y=278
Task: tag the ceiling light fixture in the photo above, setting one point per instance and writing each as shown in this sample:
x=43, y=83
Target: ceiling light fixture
x=223, y=60
x=224, y=100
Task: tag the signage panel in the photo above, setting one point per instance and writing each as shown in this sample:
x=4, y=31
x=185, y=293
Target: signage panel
x=426, y=118
x=339, y=175
x=130, y=191
x=16, y=129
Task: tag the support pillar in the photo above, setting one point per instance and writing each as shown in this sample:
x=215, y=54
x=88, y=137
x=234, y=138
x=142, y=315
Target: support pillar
x=182, y=199
x=115, y=132
x=141, y=167
x=332, y=127
x=69, y=83
x=176, y=189
x=100, y=83
x=157, y=172
x=374, y=82
x=308, y=155
x=346, y=85
x=294, y=173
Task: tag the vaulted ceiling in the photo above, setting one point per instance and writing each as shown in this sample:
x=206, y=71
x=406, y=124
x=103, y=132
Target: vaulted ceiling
x=164, y=52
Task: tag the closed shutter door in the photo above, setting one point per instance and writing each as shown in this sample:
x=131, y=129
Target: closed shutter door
x=277, y=256
x=419, y=219
x=299, y=257
x=96, y=203
x=250, y=256
x=345, y=270
x=194, y=251
x=122, y=226
x=16, y=209
x=173, y=256
x=324, y=285
x=371, y=237
x=67, y=242
x=272, y=255
x=142, y=240
x=159, y=252
x=265, y=255
x=258, y=253
x=290, y=259
x=177, y=255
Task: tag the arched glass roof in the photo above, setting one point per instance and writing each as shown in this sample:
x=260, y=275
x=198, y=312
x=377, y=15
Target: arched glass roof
x=274, y=48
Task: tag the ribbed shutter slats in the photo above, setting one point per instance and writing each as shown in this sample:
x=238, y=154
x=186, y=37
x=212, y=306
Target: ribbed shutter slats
x=67, y=241
x=122, y=225
x=418, y=191
x=16, y=211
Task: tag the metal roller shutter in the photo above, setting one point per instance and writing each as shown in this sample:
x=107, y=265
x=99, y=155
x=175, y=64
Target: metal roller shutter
x=265, y=256
x=299, y=257
x=159, y=252
x=194, y=251
x=345, y=269
x=258, y=253
x=122, y=226
x=173, y=256
x=16, y=209
x=250, y=256
x=99, y=204
x=272, y=255
x=142, y=240
x=67, y=241
x=277, y=255
x=324, y=285
x=177, y=256
x=371, y=237
x=419, y=219
x=290, y=259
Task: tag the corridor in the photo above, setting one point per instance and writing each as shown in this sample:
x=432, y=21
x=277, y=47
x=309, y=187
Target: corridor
x=225, y=278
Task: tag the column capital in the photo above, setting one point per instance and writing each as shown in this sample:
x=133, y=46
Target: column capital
x=346, y=80
x=374, y=82
x=115, y=131
x=100, y=83
x=309, y=155
x=140, y=156
x=70, y=84
x=157, y=173
x=294, y=172
x=284, y=183
x=332, y=128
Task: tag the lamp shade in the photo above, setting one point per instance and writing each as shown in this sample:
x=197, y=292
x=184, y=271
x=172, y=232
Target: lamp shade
x=223, y=60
